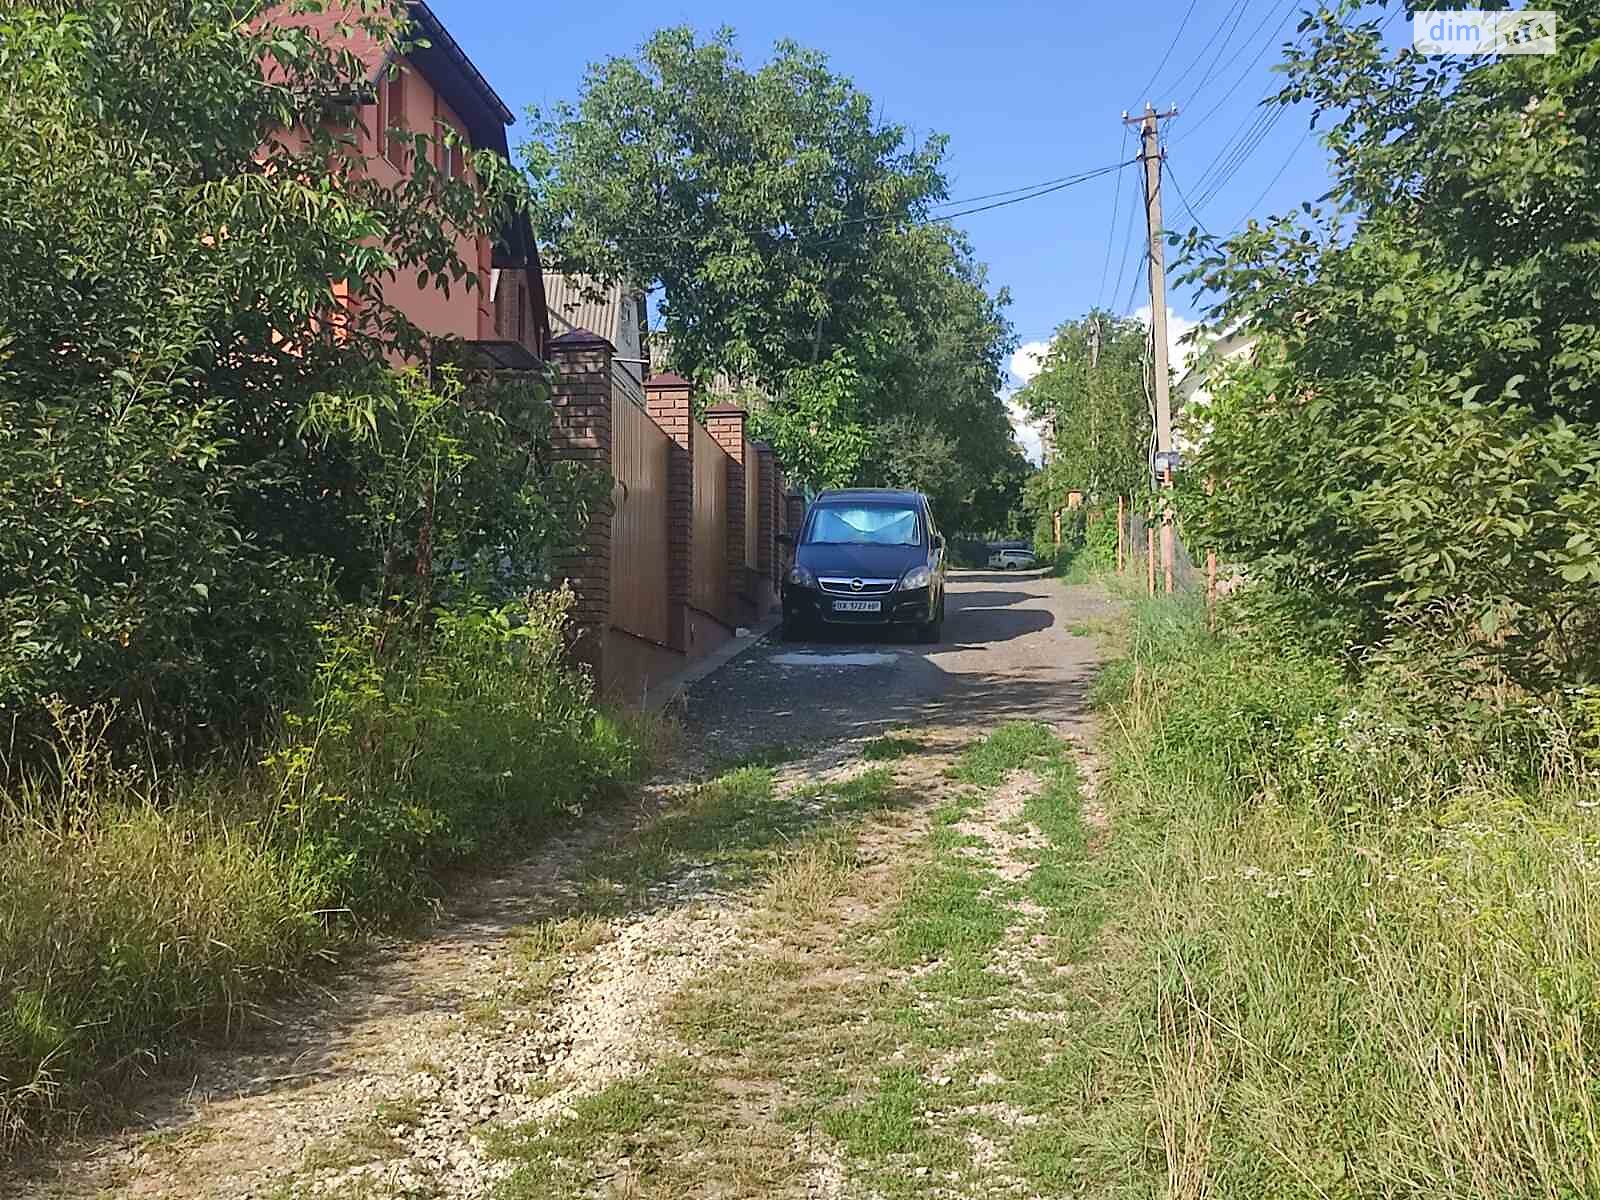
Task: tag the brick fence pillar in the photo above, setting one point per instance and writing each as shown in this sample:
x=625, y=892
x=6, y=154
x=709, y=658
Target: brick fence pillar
x=581, y=432
x=669, y=399
x=767, y=531
x=725, y=424
x=795, y=507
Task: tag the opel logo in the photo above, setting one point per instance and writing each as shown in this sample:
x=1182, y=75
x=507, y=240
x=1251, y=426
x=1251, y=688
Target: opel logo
x=856, y=585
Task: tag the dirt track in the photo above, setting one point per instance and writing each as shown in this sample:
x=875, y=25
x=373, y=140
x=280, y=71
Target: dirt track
x=395, y=1082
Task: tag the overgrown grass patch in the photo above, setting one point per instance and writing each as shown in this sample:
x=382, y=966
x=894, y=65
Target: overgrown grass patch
x=1009, y=748
x=1364, y=932
x=638, y=1120
x=734, y=829
x=140, y=910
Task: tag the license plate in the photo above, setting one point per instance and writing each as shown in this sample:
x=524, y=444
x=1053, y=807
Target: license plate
x=858, y=606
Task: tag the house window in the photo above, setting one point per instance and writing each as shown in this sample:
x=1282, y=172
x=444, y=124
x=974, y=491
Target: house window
x=451, y=156
x=392, y=117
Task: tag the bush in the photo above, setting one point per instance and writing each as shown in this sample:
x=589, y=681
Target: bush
x=1367, y=941
x=135, y=910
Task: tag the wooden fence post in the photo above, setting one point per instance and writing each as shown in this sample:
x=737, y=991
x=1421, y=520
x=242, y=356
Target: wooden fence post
x=1150, y=558
x=1122, y=533
x=1211, y=590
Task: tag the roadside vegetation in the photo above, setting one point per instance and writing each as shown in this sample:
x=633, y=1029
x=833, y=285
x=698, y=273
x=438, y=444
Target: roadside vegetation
x=1364, y=937
x=1367, y=805
x=865, y=336
x=278, y=646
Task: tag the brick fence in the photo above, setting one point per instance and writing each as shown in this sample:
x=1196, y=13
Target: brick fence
x=729, y=494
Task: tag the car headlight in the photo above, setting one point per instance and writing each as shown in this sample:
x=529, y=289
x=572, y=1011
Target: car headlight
x=917, y=577
x=800, y=577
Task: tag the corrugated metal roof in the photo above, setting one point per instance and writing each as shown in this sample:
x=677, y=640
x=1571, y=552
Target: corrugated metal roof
x=581, y=302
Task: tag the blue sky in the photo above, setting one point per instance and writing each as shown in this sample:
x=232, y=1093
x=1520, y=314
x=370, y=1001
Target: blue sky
x=1026, y=92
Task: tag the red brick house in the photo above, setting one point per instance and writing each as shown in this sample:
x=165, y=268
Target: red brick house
x=431, y=88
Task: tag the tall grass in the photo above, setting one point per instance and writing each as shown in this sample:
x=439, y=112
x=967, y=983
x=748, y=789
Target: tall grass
x=139, y=908
x=1369, y=938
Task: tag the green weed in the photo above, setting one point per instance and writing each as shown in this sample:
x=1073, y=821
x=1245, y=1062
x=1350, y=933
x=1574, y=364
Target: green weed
x=136, y=910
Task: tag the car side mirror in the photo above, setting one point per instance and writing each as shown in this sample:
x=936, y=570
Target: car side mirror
x=938, y=541
x=785, y=539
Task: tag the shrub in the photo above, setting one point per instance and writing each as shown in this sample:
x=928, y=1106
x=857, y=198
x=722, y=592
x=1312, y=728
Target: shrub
x=138, y=910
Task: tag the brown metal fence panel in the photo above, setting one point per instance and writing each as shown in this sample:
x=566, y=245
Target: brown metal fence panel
x=639, y=456
x=708, y=583
x=752, y=507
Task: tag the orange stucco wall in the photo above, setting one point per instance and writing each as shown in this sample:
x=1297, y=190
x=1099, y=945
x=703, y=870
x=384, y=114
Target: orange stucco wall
x=462, y=312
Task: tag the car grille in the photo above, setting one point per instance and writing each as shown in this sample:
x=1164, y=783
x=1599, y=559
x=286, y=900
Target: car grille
x=846, y=587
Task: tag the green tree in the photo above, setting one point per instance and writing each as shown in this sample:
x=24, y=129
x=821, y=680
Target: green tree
x=755, y=199
x=787, y=232
x=1415, y=464
x=1093, y=405
x=191, y=254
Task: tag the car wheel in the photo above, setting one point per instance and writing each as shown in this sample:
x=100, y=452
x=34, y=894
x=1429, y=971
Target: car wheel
x=930, y=633
x=791, y=630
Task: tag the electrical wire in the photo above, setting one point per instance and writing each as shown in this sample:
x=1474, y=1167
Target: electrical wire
x=1191, y=125
x=1198, y=58
x=932, y=218
x=1133, y=288
x=1295, y=150
x=1127, y=247
x=1277, y=175
x=1222, y=171
x=1144, y=93
x=1217, y=58
x=1111, y=235
x=1045, y=191
x=1187, y=207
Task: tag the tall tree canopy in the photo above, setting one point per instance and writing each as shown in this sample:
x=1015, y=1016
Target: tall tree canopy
x=1416, y=458
x=787, y=230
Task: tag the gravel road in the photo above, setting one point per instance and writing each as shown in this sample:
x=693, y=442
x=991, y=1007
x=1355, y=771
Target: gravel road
x=392, y=1084
x=1017, y=645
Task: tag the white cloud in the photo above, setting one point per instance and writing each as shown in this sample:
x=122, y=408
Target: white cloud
x=1027, y=360
x=1029, y=435
x=1178, y=352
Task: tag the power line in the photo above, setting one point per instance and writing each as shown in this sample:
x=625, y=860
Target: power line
x=1069, y=182
x=1187, y=207
x=1160, y=66
x=933, y=218
x=1133, y=288
x=1222, y=171
x=1276, y=176
x=1127, y=247
x=1245, y=74
x=1200, y=56
x=1217, y=58
x=1111, y=235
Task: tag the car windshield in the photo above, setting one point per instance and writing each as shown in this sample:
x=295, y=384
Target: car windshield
x=865, y=525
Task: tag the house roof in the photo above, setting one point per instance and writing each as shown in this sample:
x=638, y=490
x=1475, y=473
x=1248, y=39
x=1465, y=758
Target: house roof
x=583, y=302
x=446, y=66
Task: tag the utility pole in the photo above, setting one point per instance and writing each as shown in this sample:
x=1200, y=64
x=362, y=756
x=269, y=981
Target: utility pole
x=1089, y=393
x=1150, y=154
